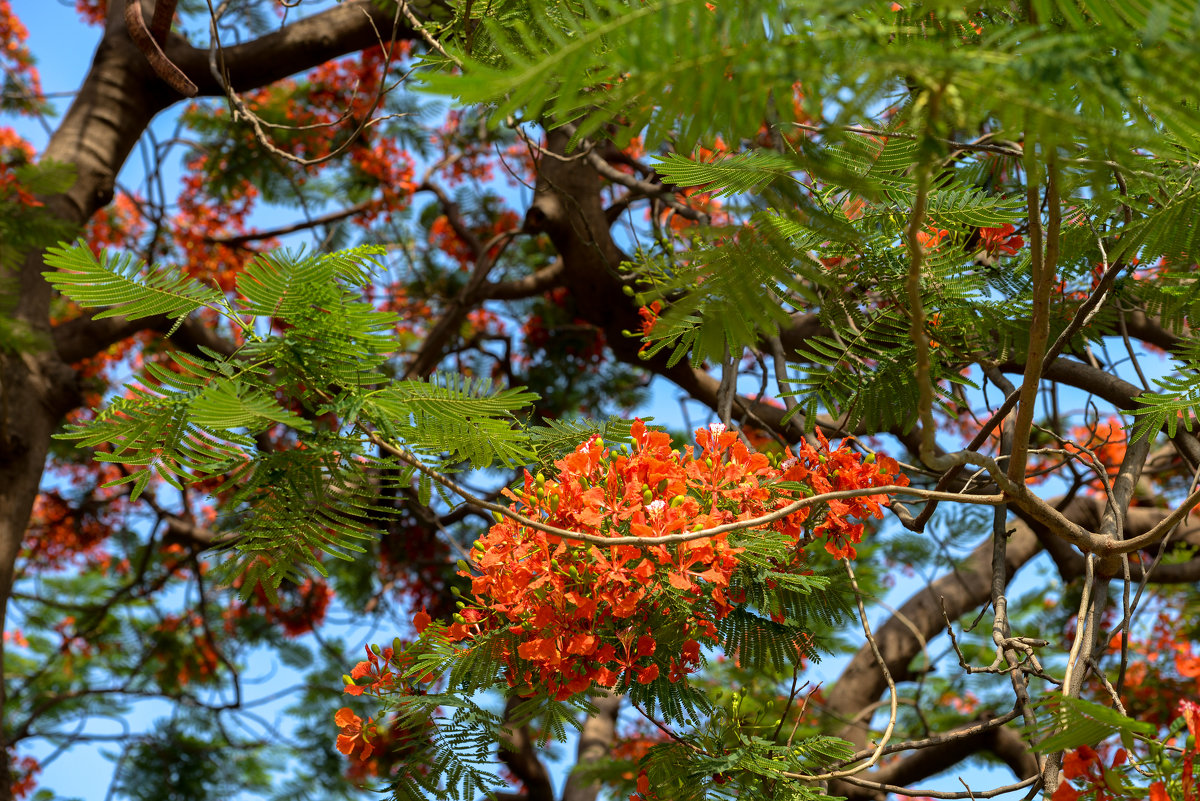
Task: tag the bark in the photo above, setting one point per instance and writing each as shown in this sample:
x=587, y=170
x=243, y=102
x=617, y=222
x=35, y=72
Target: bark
x=595, y=743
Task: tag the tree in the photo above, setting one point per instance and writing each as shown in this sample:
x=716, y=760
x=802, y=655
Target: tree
x=840, y=221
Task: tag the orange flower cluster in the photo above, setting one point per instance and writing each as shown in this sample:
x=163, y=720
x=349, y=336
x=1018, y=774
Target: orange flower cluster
x=378, y=671
x=1086, y=776
x=1086, y=764
x=583, y=613
x=24, y=773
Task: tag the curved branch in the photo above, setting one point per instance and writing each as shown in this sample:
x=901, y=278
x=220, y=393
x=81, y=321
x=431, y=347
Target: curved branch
x=306, y=43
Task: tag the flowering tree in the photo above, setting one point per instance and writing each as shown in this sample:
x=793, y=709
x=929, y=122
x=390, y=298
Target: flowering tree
x=922, y=260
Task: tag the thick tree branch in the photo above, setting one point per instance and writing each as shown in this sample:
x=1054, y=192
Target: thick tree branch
x=517, y=752
x=595, y=744
x=306, y=43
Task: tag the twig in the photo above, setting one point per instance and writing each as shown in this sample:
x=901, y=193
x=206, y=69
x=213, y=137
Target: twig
x=893, y=696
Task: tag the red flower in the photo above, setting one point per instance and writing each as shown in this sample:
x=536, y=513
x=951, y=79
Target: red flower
x=1000, y=240
x=931, y=238
x=354, y=736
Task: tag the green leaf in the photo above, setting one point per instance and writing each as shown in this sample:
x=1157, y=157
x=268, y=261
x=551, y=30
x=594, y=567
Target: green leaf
x=123, y=284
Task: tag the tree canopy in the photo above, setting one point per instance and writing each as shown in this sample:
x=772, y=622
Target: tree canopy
x=922, y=275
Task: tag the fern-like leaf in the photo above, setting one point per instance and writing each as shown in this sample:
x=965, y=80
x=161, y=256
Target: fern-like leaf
x=122, y=285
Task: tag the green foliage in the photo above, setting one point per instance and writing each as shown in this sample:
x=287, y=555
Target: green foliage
x=195, y=417
x=122, y=285
x=466, y=419
x=1072, y=722
x=188, y=762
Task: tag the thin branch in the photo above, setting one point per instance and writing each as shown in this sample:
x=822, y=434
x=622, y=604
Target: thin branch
x=687, y=536
x=1044, y=265
x=893, y=696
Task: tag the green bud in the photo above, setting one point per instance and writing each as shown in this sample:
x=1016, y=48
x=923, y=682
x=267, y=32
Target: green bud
x=479, y=546
x=599, y=442
x=375, y=649
x=459, y=618
x=541, y=479
x=460, y=605
x=347, y=680
x=397, y=646
x=456, y=592
x=628, y=290
x=647, y=496
x=677, y=501
x=708, y=462
x=463, y=566
x=662, y=485
x=870, y=459
x=499, y=518
x=554, y=501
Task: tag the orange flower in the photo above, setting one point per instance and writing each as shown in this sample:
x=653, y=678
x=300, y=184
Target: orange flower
x=1000, y=240
x=354, y=735
x=930, y=239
